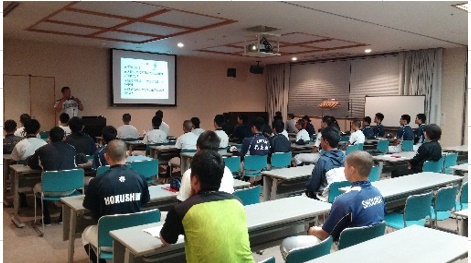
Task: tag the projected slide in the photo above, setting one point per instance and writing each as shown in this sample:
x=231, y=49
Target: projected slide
x=142, y=79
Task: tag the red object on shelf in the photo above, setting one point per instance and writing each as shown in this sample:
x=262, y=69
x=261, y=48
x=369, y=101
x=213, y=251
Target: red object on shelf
x=168, y=188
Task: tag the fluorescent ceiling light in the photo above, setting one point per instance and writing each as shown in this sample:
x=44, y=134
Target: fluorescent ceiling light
x=368, y=50
x=180, y=45
x=463, y=6
x=294, y=58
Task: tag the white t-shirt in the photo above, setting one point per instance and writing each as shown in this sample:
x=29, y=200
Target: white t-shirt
x=357, y=137
x=302, y=135
x=66, y=130
x=198, y=131
x=285, y=133
x=318, y=140
x=127, y=131
x=227, y=184
x=155, y=136
x=165, y=128
x=25, y=148
x=69, y=106
x=223, y=137
x=187, y=141
x=20, y=132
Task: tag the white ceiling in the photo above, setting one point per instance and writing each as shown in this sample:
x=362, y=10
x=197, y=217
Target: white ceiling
x=381, y=26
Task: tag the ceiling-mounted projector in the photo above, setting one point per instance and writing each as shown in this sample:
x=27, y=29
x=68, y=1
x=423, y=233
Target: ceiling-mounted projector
x=256, y=69
x=265, y=44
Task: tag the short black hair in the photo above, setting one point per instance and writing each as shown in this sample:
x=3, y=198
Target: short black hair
x=76, y=124
x=301, y=123
x=330, y=120
x=406, y=117
x=331, y=135
x=127, y=117
x=259, y=123
x=64, y=88
x=219, y=120
x=278, y=125
x=32, y=126
x=24, y=118
x=367, y=119
x=421, y=117
x=434, y=132
x=196, y=122
x=156, y=122
x=379, y=116
x=291, y=115
x=208, y=140
x=243, y=117
x=160, y=114
x=64, y=117
x=9, y=126
x=278, y=113
x=56, y=134
x=306, y=118
x=109, y=133
x=208, y=167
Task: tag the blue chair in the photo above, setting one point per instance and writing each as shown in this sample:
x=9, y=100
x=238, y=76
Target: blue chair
x=113, y=222
x=444, y=203
x=44, y=135
x=65, y=181
x=449, y=160
x=280, y=160
x=375, y=174
x=462, y=202
x=416, y=211
x=351, y=148
x=233, y=163
x=303, y=254
x=334, y=190
x=360, y=146
x=344, y=138
x=254, y=164
x=382, y=146
x=355, y=235
x=149, y=169
x=407, y=146
x=102, y=169
x=433, y=166
x=249, y=196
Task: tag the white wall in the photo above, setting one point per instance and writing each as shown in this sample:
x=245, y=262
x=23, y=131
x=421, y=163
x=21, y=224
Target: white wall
x=203, y=89
x=453, y=96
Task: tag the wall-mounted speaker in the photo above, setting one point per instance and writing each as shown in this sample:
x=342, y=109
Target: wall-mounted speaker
x=231, y=72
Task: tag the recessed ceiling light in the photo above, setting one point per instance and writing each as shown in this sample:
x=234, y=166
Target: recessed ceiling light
x=180, y=45
x=368, y=50
x=463, y=6
x=294, y=58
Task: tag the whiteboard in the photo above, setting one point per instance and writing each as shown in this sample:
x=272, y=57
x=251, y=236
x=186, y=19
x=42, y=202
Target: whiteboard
x=393, y=107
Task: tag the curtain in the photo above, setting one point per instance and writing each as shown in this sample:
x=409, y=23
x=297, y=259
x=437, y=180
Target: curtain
x=277, y=90
x=422, y=75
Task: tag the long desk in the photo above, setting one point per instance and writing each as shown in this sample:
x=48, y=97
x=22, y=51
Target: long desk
x=462, y=215
x=460, y=149
x=459, y=169
x=411, y=244
x=21, y=175
x=186, y=157
x=272, y=178
x=267, y=222
x=396, y=190
x=305, y=148
x=7, y=161
x=394, y=157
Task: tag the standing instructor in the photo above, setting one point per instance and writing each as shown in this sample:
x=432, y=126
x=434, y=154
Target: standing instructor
x=68, y=103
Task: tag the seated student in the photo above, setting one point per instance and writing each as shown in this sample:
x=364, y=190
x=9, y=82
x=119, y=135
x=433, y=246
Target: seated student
x=20, y=132
x=241, y=130
x=430, y=150
x=257, y=144
x=283, y=132
x=119, y=181
x=10, y=139
x=308, y=126
x=164, y=126
x=327, y=121
x=404, y=133
x=186, y=141
x=64, y=123
x=302, y=135
x=54, y=156
x=267, y=130
x=330, y=158
x=155, y=135
x=208, y=140
x=223, y=137
x=82, y=142
x=279, y=142
x=127, y=131
x=367, y=130
x=419, y=133
x=108, y=134
x=362, y=205
x=26, y=147
x=357, y=136
x=196, y=126
x=228, y=127
x=378, y=130
x=213, y=222
x=291, y=123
